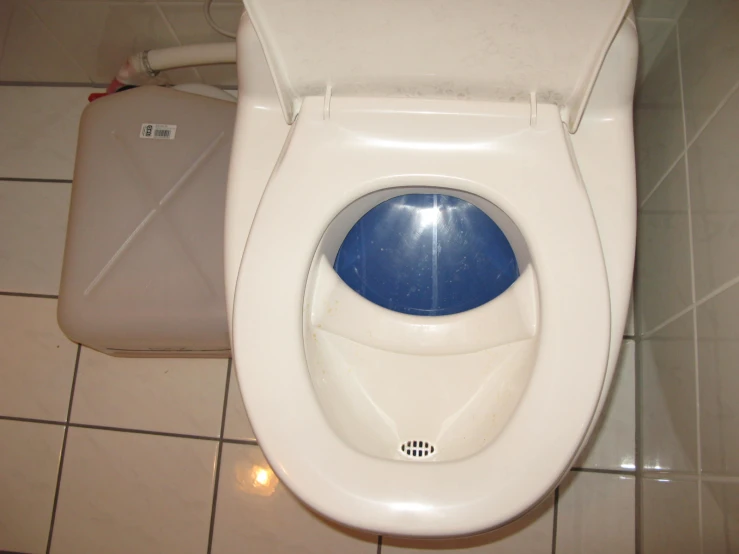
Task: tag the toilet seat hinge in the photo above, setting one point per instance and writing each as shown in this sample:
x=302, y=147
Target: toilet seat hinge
x=327, y=103
x=532, y=119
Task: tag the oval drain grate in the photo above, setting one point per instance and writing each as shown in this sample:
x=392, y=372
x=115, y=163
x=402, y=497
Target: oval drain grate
x=417, y=449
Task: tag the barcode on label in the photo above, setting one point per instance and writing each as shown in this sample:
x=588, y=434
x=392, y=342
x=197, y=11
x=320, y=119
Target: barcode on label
x=158, y=131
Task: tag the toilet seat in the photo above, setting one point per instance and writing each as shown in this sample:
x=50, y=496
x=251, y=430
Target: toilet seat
x=341, y=150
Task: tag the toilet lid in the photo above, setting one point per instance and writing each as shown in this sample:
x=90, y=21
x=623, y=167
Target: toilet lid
x=371, y=146
x=461, y=49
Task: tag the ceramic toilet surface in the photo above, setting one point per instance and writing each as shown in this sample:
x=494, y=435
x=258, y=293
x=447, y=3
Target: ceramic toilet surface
x=338, y=387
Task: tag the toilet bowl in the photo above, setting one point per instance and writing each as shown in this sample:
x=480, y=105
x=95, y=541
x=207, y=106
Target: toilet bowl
x=388, y=394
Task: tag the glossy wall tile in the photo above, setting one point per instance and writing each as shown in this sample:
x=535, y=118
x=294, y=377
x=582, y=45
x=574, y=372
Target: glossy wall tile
x=658, y=118
x=718, y=358
x=720, y=517
x=668, y=392
x=612, y=443
x=670, y=515
x=686, y=291
x=709, y=46
x=663, y=271
x=586, y=524
x=714, y=199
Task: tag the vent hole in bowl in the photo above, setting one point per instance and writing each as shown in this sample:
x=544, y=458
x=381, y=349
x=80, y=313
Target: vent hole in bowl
x=417, y=449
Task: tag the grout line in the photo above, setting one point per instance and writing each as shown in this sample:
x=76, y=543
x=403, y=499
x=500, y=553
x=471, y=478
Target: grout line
x=172, y=31
x=672, y=166
x=712, y=116
x=59, y=42
x=718, y=290
x=29, y=295
x=688, y=143
x=250, y=442
x=219, y=454
x=666, y=475
x=660, y=19
x=638, y=455
x=732, y=479
x=216, y=480
x=63, y=452
x=379, y=544
x=684, y=150
x=32, y=180
x=630, y=473
x=699, y=457
x=665, y=323
x=56, y=492
x=141, y=431
x=74, y=382
x=692, y=273
x=554, y=520
x=225, y=397
x=54, y=84
x=31, y=420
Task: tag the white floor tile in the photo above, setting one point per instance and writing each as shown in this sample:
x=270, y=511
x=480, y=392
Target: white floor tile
x=36, y=360
x=167, y=395
x=237, y=423
x=256, y=512
x=33, y=224
x=596, y=514
x=39, y=130
x=29, y=460
x=531, y=534
x=612, y=443
x=123, y=492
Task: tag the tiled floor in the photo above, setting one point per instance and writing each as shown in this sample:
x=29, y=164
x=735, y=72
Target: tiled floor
x=99, y=454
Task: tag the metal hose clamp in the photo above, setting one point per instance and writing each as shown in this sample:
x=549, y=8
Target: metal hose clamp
x=151, y=72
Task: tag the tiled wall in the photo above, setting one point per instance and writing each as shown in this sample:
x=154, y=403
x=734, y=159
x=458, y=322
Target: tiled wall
x=86, y=41
x=687, y=281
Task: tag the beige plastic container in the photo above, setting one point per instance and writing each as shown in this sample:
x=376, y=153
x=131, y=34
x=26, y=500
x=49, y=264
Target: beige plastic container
x=143, y=264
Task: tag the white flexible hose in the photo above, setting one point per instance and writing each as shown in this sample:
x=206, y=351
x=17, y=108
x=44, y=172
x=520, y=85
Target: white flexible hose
x=148, y=64
x=212, y=23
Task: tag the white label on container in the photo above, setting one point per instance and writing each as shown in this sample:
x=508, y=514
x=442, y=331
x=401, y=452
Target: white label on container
x=158, y=131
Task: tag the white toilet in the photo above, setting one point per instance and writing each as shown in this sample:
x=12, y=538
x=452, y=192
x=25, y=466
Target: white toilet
x=405, y=407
